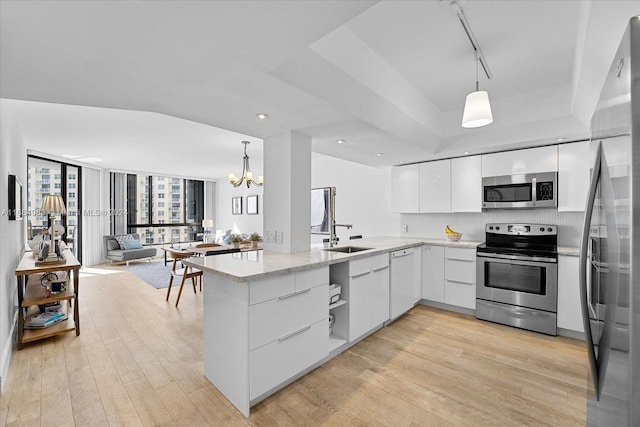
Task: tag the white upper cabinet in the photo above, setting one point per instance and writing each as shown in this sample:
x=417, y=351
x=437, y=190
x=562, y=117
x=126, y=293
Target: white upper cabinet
x=466, y=184
x=435, y=186
x=573, y=176
x=405, y=189
x=517, y=162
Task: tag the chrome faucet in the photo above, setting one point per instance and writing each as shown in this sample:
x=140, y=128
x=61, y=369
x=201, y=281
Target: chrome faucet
x=333, y=240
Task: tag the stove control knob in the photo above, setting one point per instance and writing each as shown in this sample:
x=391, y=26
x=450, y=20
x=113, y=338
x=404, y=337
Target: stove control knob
x=497, y=228
x=549, y=229
x=541, y=228
x=491, y=227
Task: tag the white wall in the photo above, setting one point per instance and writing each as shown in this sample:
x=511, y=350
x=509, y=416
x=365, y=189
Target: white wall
x=13, y=160
x=363, y=196
x=238, y=223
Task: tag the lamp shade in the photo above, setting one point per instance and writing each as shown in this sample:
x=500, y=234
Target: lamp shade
x=207, y=223
x=53, y=204
x=477, y=110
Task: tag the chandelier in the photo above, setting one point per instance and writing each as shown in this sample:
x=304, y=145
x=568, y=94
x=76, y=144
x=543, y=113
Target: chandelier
x=247, y=175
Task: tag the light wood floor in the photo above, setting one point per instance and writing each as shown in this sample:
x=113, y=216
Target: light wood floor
x=138, y=361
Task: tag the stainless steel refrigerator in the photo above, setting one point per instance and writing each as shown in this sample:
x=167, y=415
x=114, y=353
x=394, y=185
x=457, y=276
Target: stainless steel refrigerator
x=610, y=249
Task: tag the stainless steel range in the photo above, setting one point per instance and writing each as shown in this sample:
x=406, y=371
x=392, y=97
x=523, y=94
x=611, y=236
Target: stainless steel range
x=517, y=276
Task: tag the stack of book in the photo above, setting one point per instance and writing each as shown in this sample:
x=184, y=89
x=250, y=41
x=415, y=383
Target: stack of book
x=46, y=319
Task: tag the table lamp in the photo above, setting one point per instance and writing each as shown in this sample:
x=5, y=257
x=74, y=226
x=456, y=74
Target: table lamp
x=53, y=205
x=207, y=224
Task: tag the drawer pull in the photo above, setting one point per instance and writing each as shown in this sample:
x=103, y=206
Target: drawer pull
x=460, y=281
x=355, y=276
x=293, y=294
x=461, y=259
x=299, y=331
x=381, y=268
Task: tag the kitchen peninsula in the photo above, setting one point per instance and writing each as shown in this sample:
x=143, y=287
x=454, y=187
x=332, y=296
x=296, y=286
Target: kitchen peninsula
x=266, y=314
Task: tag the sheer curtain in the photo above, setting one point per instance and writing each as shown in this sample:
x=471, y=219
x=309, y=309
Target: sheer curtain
x=95, y=217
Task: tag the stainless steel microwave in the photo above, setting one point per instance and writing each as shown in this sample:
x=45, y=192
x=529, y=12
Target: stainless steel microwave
x=534, y=190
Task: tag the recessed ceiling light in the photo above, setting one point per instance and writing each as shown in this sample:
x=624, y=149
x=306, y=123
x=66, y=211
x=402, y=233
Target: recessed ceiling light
x=262, y=116
x=559, y=139
x=71, y=156
x=379, y=154
x=466, y=152
x=340, y=141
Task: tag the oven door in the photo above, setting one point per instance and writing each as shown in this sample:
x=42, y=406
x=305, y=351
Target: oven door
x=523, y=281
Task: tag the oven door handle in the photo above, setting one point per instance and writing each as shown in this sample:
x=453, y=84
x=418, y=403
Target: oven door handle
x=518, y=257
x=582, y=273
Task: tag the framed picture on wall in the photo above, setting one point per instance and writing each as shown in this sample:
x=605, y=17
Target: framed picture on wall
x=15, y=198
x=236, y=205
x=252, y=205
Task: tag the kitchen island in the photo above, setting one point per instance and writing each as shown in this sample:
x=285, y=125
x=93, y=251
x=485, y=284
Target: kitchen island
x=266, y=314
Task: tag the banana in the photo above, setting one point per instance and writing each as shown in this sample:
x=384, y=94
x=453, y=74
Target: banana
x=448, y=230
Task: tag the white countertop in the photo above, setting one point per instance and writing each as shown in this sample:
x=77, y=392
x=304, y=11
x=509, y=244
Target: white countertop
x=247, y=266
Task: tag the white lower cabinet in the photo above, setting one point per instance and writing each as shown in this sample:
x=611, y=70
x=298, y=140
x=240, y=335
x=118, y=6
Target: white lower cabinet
x=569, y=309
x=365, y=287
x=276, y=318
x=460, y=277
x=276, y=362
x=433, y=273
x=449, y=275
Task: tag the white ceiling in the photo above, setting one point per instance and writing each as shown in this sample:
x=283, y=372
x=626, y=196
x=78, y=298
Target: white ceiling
x=159, y=81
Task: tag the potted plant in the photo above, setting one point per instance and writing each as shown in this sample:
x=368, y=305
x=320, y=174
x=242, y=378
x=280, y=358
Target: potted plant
x=255, y=238
x=236, y=239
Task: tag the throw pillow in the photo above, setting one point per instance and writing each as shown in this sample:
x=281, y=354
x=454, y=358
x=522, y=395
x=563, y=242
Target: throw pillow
x=120, y=239
x=132, y=244
x=113, y=245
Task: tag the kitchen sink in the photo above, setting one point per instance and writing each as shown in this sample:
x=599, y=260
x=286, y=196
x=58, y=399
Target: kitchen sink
x=347, y=249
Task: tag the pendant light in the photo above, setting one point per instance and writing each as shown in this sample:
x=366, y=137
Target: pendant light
x=247, y=175
x=477, y=109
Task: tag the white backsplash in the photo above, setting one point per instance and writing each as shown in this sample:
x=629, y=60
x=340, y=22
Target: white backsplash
x=471, y=225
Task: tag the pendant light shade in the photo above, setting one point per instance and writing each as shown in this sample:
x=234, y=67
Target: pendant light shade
x=477, y=110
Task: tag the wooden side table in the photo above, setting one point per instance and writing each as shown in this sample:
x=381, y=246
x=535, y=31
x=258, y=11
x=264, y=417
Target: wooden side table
x=31, y=294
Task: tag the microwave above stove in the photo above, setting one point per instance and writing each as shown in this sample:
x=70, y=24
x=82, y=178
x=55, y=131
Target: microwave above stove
x=534, y=190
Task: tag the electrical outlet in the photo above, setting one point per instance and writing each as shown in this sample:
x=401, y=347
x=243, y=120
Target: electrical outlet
x=404, y=228
x=279, y=237
x=270, y=236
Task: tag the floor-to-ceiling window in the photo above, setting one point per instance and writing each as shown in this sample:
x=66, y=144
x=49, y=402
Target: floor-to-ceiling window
x=52, y=177
x=162, y=209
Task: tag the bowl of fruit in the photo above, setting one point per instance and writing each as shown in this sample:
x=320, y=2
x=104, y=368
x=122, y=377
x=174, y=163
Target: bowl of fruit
x=452, y=236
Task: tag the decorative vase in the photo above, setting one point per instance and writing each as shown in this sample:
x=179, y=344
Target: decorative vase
x=236, y=244
x=254, y=244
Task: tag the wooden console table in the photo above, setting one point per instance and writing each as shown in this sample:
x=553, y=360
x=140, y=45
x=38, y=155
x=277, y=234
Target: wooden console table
x=31, y=294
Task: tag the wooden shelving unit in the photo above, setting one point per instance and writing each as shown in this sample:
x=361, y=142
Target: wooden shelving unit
x=31, y=295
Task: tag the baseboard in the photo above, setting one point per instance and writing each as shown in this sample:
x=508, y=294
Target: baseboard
x=7, y=352
x=448, y=307
x=569, y=333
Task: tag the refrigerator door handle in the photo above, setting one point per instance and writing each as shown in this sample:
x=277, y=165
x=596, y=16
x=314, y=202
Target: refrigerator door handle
x=584, y=264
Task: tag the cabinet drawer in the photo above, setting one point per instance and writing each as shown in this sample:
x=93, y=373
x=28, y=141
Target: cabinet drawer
x=359, y=267
x=460, y=253
x=460, y=294
x=273, y=319
x=271, y=287
x=460, y=271
x=312, y=278
x=378, y=262
x=280, y=360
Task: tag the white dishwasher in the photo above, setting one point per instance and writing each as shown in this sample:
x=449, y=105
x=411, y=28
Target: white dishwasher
x=406, y=289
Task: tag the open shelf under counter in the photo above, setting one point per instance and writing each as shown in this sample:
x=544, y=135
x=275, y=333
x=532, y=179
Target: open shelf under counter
x=337, y=304
x=335, y=342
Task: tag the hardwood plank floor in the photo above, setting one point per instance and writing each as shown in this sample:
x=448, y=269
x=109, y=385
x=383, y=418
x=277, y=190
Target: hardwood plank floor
x=139, y=361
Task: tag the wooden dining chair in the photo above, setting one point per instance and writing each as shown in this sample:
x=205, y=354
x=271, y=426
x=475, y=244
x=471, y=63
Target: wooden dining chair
x=184, y=273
